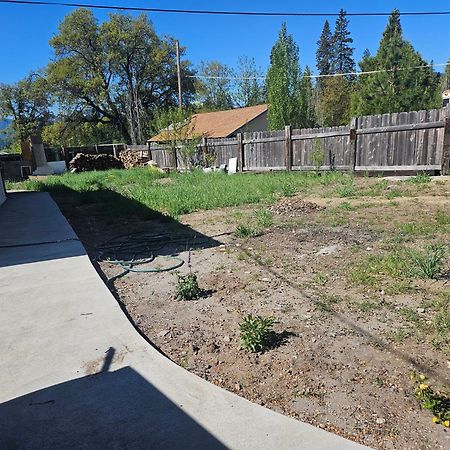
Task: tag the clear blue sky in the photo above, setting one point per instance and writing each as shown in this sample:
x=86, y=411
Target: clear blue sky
x=26, y=30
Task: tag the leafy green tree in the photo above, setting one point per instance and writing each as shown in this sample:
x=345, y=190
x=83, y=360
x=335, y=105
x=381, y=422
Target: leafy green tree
x=116, y=73
x=342, y=59
x=334, y=102
x=214, y=86
x=28, y=104
x=307, y=99
x=283, y=83
x=324, y=53
x=400, y=86
x=68, y=134
x=250, y=88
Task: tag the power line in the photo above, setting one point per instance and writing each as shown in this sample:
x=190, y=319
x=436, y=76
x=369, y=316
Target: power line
x=207, y=77
x=222, y=13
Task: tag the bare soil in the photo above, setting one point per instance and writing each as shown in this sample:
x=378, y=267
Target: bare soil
x=345, y=349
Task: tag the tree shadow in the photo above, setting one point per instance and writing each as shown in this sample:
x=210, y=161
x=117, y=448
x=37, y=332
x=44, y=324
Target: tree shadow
x=119, y=409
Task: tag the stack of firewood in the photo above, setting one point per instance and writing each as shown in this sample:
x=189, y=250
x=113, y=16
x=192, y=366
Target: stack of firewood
x=83, y=163
x=132, y=158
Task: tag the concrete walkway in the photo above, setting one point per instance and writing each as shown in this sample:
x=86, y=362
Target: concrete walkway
x=75, y=374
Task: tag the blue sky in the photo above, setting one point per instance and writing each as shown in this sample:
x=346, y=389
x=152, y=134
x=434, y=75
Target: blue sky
x=26, y=30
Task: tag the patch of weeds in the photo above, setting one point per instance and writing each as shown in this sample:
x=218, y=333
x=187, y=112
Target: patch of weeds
x=410, y=315
x=184, y=363
x=393, y=193
x=242, y=256
x=312, y=393
x=187, y=287
x=346, y=206
x=320, y=278
x=428, y=263
x=436, y=401
x=372, y=269
x=264, y=218
x=441, y=323
x=326, y=302
x=367, y=306
x=347, y=190
x=256, y=333
x=244, y=231
x=442, y=217
x=399, y=336
x=421, y=178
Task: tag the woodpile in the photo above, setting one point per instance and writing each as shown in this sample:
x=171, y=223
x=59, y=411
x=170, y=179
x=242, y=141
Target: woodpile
x=83, y=163
x=132, y=158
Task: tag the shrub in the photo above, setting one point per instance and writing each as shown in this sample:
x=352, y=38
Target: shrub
x=187, y=287
x=435, y=401
x=428, y=263
x=256, y=333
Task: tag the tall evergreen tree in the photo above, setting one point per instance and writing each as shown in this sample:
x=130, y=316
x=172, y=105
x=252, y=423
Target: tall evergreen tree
x=283, y=83
x=307, y=99
x=400, y=86
x=343, y=61
x=324, y=53
x=446, y=77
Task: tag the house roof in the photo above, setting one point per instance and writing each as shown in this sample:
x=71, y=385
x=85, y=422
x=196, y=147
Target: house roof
x=219, y=124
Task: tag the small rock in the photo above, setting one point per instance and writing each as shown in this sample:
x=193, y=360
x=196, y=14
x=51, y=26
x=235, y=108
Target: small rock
x=163, y=333
x=237, y=386
x=380, y=420
x=420, y=310
x=227, y=339
x=266, y=280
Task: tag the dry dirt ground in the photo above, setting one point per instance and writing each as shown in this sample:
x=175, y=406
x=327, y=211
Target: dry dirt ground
x=352, y=323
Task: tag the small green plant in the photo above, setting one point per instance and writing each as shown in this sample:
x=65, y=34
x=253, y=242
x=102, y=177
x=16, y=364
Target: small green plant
x=317, y=156
x=187, y=287
x=429, y=262
x=244, y=231
x=264, y=218
x=256, y=333
x=420, y=178
x=438, y=402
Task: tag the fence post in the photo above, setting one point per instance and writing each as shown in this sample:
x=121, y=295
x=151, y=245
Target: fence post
x=353, y=141
x=240, y=152
x=288, y=147
x=204, y=150
x=445, y=167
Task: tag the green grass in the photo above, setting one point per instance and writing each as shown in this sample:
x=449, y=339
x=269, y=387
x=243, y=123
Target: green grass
x=179, y=193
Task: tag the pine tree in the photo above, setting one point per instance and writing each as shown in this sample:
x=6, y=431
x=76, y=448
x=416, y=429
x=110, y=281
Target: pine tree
x=307, y=99
x=400, y=86
x=343, y=61
x=446, y=77
x=283, y=83
x=324, y=53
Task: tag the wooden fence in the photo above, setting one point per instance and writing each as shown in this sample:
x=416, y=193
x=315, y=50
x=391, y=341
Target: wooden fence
x=407, y=141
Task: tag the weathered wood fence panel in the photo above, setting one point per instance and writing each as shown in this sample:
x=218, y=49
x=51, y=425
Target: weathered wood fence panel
x=406, y=141
x=329, y=146
x=264, y=150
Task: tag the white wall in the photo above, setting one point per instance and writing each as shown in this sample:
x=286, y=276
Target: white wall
x=257, y=124
x=2, y=191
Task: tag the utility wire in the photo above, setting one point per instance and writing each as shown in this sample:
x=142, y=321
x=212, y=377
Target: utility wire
x=207, y=77
x=222, y=13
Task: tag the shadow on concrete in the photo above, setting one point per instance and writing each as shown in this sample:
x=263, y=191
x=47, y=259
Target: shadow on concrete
x=110, y=225
x=113, y=410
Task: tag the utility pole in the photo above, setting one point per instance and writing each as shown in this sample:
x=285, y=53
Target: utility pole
x=177, y=45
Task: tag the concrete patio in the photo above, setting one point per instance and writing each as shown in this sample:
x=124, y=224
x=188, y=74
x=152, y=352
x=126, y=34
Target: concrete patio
x=76, y=374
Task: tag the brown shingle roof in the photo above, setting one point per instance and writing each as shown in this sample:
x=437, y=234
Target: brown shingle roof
x=219, y=124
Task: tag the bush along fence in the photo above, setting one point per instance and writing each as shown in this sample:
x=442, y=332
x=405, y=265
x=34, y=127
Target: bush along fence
x=400, y=142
